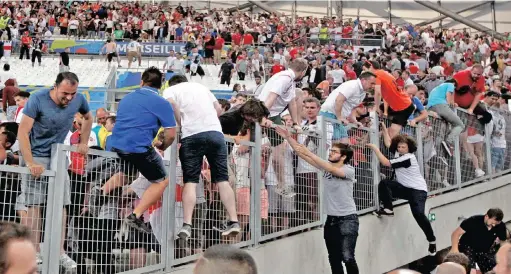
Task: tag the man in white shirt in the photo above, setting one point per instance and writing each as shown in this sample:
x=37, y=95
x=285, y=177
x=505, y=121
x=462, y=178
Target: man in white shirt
x=338, y=75
x=196, y=110
x=343, y=100
x=278, y=94
x=134, y=51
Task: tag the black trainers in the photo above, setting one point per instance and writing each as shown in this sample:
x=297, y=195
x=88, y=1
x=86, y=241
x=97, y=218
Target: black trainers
x=448, y=148
x=185, y=232
x=432, y=249
x=136, y=223
x=229, y=229
x=383, y=212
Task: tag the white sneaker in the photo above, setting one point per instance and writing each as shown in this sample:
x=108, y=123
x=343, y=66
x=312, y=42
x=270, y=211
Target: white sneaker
x=446, y=183
x=38, y=258
x=479, y=173
x=66, y=262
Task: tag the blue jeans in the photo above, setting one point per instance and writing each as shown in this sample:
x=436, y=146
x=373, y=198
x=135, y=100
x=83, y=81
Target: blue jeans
x=192, y=151
x=340, y=234
x=497, y=158
x=340, y=131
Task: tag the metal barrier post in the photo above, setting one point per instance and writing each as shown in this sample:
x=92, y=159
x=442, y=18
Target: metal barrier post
x=324, y=155
x=420, y=148
x=457, y=159
x=169, y=205
x=487, y=141
x=55, y=205
x=375, y=164
x=255, y=188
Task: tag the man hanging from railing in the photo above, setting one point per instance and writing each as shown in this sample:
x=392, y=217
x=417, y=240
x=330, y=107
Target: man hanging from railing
x=409, y=183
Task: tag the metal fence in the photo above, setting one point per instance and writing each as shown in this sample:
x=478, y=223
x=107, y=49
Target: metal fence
x=95, y=195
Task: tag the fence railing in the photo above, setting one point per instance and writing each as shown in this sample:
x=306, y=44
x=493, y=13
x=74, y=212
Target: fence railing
x=96, y=195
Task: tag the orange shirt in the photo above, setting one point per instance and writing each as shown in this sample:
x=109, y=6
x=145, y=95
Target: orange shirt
x=396, y=98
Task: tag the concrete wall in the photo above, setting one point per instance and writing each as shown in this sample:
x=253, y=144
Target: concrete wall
x=384, y=244
x=404, y=11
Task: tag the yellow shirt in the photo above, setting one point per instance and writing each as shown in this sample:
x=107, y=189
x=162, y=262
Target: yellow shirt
x=102, y=134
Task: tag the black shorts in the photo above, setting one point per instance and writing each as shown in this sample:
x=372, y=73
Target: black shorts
x=401, y=117
x=149, y=163
x=110, y=56
x=192, y=151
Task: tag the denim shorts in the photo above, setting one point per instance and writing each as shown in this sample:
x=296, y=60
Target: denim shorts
x=192, y=151
x=497, y=157
x=149, y=163
x=340, y=131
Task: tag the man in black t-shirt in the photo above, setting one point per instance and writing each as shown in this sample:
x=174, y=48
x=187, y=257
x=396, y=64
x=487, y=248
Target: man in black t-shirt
x=226, y=71
x=64, y=61
x=475, y=237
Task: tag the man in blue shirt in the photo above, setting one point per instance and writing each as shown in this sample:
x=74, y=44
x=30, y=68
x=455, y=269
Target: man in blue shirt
x=441, y=101
x=139, y=117
x=48, y=116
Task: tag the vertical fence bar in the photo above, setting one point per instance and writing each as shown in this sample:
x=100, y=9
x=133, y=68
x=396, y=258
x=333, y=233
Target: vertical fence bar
x=170, y=204
x=56, y=205
x=255, y=186
x=457, y=158
x=375, y=164
x=420, y=147
x=487, y=141
x=324, y=155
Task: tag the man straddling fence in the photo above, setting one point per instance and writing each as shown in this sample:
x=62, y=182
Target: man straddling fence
x=48, y=116
x=344, y=99
x=441, y=101
x=139, y=117
x=409, y=183
x=196, y=110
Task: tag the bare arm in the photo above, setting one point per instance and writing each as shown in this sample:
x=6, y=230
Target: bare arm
x=339, y=102
x=455, y=239
x=271, y=100
x=85, y=129
x=23, y=132
x=423, y=116
x=383, y=160
x=169, y=137
x=477, y=98
x=218, y=108
x=385, y=134
x=293, y=110
x=177, y=113
x=377, y=96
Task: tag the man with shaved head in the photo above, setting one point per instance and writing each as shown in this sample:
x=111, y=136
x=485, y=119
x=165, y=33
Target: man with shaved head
x=450, y=268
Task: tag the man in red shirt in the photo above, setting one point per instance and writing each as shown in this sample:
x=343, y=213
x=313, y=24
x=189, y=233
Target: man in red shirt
x=470, y=87
x=277, y=67
x=469, y=91
x=217, y=50
x=26, y=41
x=248, y=39
x=236, y=39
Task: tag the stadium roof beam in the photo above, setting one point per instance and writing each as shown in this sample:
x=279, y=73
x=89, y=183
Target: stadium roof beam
x=442, y=17
x=243, y=6
x=461, y=19
x=265, y=7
